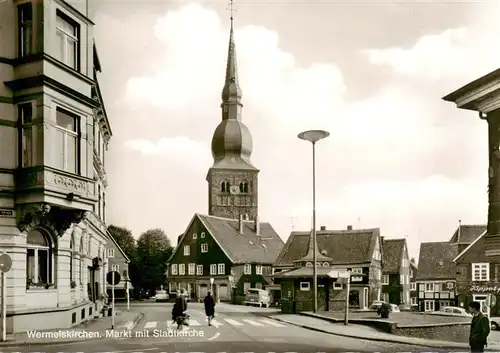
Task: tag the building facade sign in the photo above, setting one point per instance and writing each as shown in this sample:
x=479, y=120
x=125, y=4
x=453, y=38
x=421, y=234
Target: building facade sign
x=4, y=212
x=356, y=279
x=485, y=289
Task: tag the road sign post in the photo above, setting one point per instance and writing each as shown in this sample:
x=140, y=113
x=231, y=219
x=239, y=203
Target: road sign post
x=212, y=286
x=113, y=278
x=5, y=266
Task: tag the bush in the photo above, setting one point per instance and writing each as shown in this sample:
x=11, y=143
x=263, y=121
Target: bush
x=239, y=299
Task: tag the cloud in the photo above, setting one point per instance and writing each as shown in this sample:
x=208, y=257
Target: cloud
x=462, y=53
x=401, y=159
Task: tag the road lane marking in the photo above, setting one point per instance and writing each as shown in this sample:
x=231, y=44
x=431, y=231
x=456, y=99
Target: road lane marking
x=169, y=324
x=273, y=323
x=217, y=334
x=253, y=322
x=194, y=323
x=150, y=324
x=216, y=323
x=129, y=325
x=233, y=322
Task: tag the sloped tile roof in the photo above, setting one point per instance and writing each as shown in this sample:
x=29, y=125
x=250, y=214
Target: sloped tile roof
x=436, y=261
x=392, y=252
x=247, y=247
x=468, y=233
x=342, y=246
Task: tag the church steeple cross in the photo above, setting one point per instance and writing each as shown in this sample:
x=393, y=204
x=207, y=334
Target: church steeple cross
x=231, y=8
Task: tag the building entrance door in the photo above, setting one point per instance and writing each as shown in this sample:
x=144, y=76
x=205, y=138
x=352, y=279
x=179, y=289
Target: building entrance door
x=483, y=300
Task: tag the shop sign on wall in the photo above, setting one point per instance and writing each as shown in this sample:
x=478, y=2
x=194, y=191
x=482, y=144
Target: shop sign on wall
x=356, y=279
x=485, y=289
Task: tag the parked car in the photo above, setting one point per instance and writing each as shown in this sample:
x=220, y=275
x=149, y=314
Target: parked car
x=258, y=297
x=161, y=296
x=376, y=304
x=495, y=323
x=452, y=311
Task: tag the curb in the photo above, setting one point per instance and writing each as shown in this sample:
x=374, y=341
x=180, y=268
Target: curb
x=367, y=338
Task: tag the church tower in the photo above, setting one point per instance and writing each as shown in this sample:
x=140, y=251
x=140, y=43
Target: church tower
x=232, y=179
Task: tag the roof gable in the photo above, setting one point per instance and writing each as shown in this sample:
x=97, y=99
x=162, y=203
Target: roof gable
x=466, y=234
x=117, y=246
x=436, y=261
x=393, y=252
x=342, y=246
x=246, y=247
x=468, y=248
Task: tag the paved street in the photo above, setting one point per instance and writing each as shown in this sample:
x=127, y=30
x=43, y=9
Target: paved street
x=236, y=329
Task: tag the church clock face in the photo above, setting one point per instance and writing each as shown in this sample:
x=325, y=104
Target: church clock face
x=235, y=189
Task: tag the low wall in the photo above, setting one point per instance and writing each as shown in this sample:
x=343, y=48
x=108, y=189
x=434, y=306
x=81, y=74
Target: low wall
x=451, y=332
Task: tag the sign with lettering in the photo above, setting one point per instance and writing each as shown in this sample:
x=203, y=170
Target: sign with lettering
x=485, y=289
x=4, y=212
x=356, y=279
x=449, y=285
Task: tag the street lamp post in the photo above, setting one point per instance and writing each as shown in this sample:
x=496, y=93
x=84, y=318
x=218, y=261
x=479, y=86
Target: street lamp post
x=314, y=136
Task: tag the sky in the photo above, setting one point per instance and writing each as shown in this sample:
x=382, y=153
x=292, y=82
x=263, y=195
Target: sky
x=399, y=158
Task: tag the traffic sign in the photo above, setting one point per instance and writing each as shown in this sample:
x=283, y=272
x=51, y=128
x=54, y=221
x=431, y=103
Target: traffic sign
x=109, y=278
x=5, y=263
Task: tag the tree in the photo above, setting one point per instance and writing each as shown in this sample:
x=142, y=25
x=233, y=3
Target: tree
x=153, y=251
x=125, y=240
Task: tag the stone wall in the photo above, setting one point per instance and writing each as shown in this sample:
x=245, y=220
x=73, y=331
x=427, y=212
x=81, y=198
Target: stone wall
x=452, y=332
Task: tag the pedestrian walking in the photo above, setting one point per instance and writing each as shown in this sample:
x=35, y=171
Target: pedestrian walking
x=479, y=328
x=179, y=309
x=209, y=302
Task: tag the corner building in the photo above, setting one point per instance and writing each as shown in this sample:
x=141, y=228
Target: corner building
x=54, y=133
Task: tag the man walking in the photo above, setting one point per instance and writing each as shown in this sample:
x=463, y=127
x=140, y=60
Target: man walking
x=479, y=328
x=209, y=302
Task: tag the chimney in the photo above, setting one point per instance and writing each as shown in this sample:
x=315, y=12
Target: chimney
x=459, y=230
x=240, y=224
x=322, y=228
x=381, y=239
x=257, y=225
x=349, y=227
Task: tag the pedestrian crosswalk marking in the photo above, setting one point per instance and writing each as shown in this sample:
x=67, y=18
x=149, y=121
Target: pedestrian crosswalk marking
x=194, y=323
x=224, y=320
x=216, y=323
x=273, y=323
x=150, y=324
x=253, y=322
x=233, y=322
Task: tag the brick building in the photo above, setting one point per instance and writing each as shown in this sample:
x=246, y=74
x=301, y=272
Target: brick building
x=357, y=251
x=230, y=244
x=437, y=272
x=477, y=279
x=395, y=272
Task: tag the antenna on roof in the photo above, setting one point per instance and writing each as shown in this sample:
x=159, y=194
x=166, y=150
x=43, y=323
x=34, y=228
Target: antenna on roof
x=293, y=222
x=359, y=222
x=459, y=230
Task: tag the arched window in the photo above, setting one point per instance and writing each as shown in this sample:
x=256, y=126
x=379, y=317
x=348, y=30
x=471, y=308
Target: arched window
x=228, y=186
x=241, y=187
x=309, y=264
x=223, y=186
x=326, y=264
x=38, y=259
x=245, y=188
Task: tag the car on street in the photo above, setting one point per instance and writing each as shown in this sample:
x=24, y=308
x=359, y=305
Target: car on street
x=451, y=311
x=259, y=297
x=162, y=296
x=378, y=303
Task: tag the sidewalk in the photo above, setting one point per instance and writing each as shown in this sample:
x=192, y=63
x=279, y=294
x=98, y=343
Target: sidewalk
x=318, y=323
x=88, y=331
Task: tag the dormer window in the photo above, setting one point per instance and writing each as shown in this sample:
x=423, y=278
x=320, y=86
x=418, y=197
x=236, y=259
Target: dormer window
x=326, y=264
x=309, y=264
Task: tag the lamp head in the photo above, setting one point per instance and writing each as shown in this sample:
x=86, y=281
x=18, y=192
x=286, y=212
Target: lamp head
x=313, y=135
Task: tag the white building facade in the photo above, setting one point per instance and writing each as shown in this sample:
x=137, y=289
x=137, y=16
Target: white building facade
x=54, y=133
